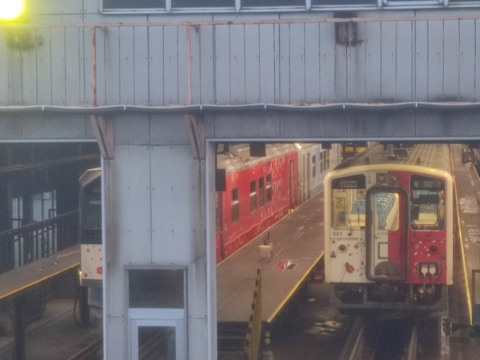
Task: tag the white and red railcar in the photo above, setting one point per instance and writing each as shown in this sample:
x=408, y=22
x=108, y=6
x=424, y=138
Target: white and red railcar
x=389, y=230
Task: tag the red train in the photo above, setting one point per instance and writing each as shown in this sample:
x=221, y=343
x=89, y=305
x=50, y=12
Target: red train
x=389, y=230
x=259, y=191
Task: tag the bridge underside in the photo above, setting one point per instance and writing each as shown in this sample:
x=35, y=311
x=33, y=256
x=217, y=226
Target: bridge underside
x=263, y=122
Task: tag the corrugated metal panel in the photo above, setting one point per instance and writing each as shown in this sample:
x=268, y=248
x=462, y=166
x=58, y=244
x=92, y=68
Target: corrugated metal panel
x=171, y=66
x=295, y=87
x=328, y=58
x=312, y=61
x=252, y=85
x=126, y=59
x=435, y=60
x=140, y=61
x=155, y=65
x=269, y=63
x=288, y=62
x=110, y=62
x=372, y=63
x=222, y=67
x=283, y=78
x=237, y=71
x=467, y=60
x=404, y=61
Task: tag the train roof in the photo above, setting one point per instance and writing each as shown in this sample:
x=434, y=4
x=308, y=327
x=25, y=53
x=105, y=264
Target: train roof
x=427, y=156
x=237, y=156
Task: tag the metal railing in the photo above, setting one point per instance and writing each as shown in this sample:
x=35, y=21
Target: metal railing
x=38, y=240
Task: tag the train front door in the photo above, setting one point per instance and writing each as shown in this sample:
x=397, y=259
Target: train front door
x=386, y=233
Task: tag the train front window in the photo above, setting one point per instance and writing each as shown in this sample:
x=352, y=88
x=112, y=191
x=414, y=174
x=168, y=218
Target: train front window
x=427, y=209
x=348, y=209
x=348, y=202
x=385, y=206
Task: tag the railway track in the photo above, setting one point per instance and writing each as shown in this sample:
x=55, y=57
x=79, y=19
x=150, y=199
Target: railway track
x=93, y=351
x=406, y=339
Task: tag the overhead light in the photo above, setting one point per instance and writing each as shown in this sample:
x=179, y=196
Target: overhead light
x=10, y=9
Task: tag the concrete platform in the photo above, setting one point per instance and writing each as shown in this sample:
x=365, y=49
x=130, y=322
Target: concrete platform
x=296, y=247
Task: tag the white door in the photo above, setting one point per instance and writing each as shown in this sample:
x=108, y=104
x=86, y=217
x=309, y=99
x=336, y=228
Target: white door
x=157, y=334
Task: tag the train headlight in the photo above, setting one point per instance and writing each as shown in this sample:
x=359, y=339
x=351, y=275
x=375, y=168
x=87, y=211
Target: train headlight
x=428, y=268
x=423, y=269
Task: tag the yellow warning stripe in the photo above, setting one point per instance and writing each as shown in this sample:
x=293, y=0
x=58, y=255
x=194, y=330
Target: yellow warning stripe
x=38, y=281
x=460, y=236
x=295, y=288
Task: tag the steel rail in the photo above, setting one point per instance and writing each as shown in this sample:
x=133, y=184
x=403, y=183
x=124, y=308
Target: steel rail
x=90, y=352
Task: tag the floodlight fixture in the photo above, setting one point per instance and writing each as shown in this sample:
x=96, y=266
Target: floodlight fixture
x=10, y=10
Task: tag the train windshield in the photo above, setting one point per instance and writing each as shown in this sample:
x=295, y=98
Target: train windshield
x=427, y=209
x=349, y=208
x=385, y=206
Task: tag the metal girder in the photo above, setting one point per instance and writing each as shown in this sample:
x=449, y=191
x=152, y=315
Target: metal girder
x=103, y=129
x=196, y=134
x=351, y=125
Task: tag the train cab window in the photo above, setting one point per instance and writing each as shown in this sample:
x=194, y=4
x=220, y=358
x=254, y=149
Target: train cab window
x=253, y=195
x=427, y=209
x=235, y=206
x=261, y=191
x=348, y=209
x=269, y=188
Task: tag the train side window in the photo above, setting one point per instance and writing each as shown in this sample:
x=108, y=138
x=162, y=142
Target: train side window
x=314, y=166
x=235, y=206
x=218, y=213
x=261, y=191
x=253, y=195
x=269, y=188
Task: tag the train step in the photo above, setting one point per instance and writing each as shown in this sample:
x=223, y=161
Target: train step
x=232, y=340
